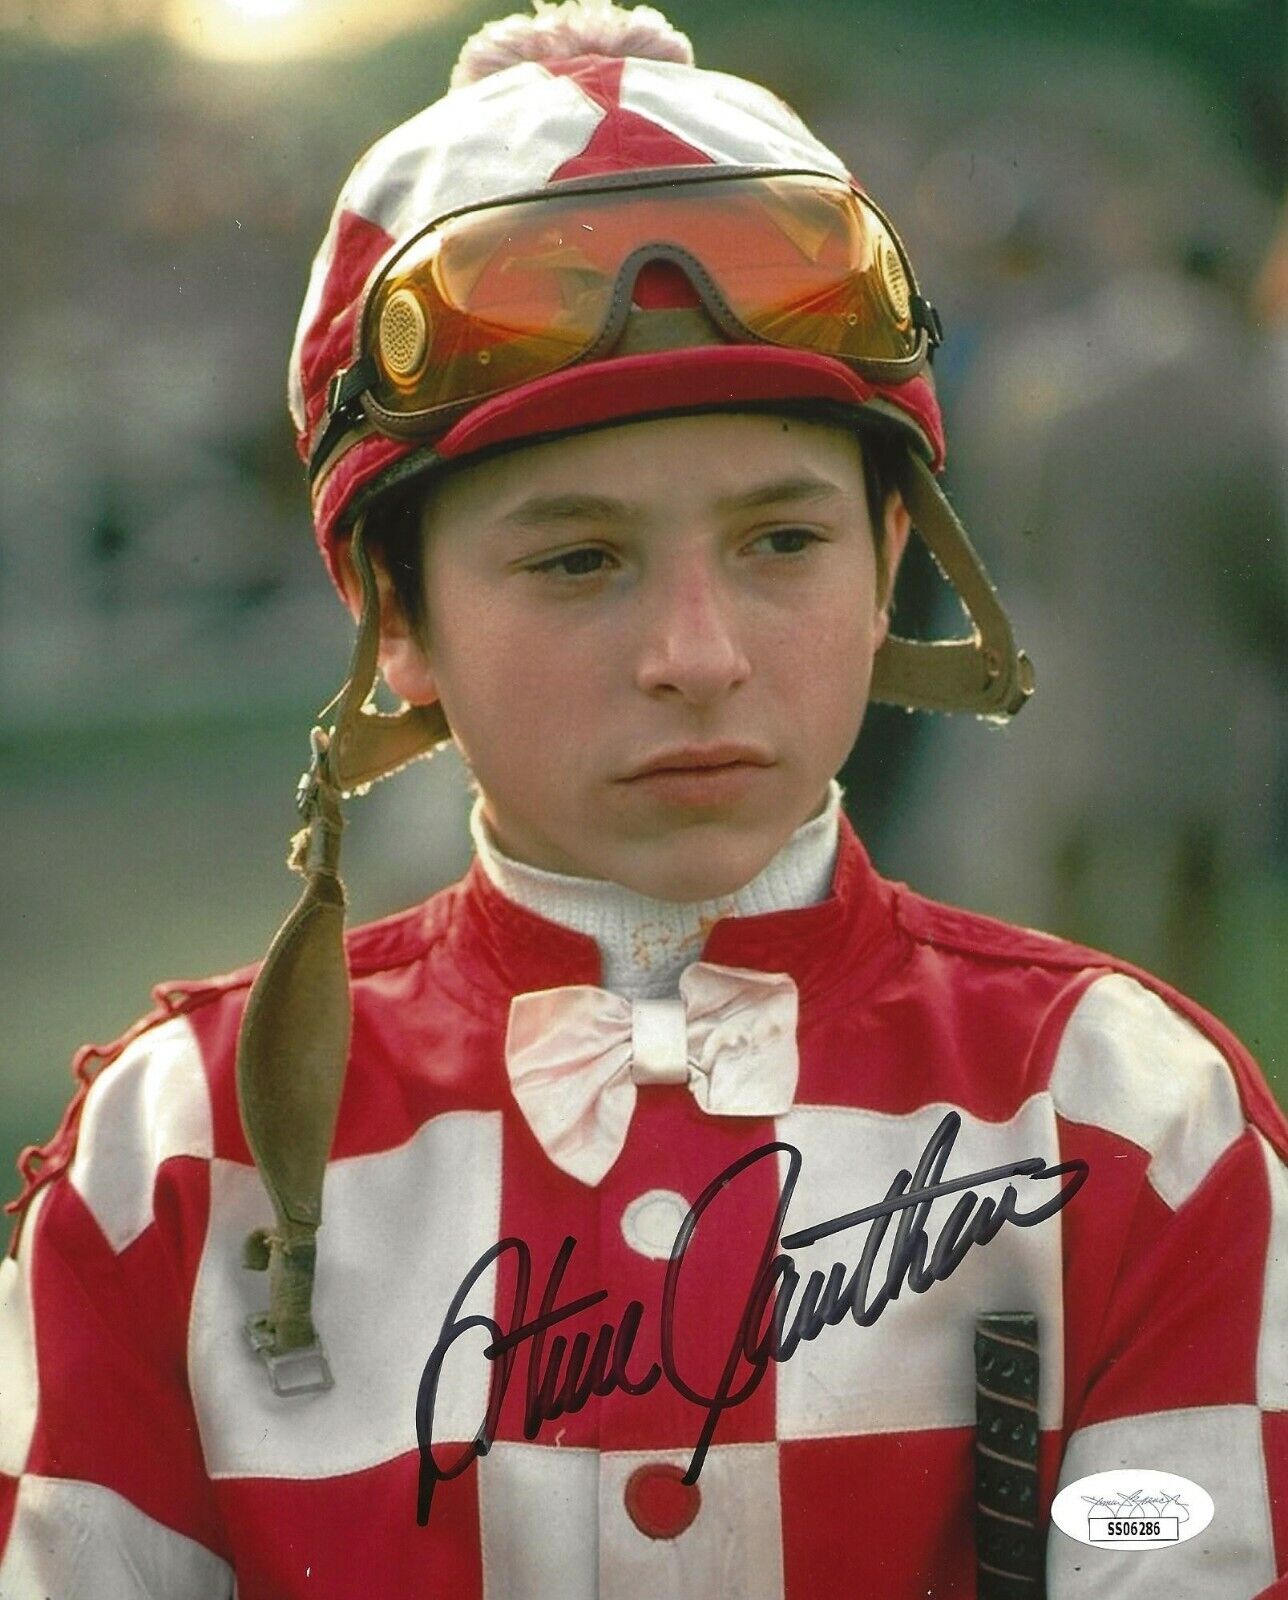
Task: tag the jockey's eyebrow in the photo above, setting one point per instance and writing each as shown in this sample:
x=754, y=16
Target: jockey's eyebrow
x=541, y=510
x=799, y=488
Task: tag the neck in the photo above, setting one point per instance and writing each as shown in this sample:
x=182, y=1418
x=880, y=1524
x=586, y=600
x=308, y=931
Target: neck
x=645, y=944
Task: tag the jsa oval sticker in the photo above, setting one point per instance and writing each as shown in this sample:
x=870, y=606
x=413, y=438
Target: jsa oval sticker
x=1132, y=1509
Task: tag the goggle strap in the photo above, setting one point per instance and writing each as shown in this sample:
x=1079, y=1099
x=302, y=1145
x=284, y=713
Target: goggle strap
x=346, y=385
x=343, y=409
x=984, y=674
x=927, y=318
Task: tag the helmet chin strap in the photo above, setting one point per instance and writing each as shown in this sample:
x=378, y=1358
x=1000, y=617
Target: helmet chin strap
x=294, y=1041
x=984, y=673
x=293, y=1045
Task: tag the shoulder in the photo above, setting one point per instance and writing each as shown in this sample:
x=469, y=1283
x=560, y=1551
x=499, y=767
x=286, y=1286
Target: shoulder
x=982, y=939
x=1116, y=1047
x=165, y=1089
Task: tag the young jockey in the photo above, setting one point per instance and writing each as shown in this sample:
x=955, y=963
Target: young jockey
x=702, y=1214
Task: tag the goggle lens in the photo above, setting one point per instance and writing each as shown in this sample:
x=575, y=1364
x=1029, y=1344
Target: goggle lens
x=498, y=297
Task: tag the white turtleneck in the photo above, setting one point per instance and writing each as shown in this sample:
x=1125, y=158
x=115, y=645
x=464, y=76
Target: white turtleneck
x=646, y=944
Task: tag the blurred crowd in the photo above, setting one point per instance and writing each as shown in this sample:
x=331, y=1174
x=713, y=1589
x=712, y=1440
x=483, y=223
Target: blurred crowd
x=1100, y=237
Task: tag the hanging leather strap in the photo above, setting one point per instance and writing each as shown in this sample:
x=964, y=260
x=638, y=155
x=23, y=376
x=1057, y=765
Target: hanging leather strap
x=1009, y=1543
x=294, y=1040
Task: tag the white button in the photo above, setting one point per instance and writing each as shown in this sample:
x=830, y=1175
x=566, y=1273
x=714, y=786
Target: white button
x=652, y=1220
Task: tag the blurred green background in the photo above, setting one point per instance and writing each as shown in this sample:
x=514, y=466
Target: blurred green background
x=1091, y=192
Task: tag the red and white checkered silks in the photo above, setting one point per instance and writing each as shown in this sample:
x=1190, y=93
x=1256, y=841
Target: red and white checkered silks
x=515, y=132
x=143, y=1455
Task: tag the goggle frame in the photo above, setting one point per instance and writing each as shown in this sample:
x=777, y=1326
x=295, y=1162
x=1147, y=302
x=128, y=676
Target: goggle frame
x=352, y=394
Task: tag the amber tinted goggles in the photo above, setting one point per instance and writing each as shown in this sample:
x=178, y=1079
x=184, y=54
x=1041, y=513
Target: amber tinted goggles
x=494, y=297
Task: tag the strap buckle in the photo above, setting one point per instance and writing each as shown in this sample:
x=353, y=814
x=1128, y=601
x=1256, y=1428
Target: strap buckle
x=304, y=1370
x=306, y=791
x=344, y=387
x=343, y=391
x=924, y=315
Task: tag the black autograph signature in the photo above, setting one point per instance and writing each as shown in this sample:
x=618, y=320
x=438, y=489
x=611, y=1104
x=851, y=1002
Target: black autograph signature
x=779, y=1314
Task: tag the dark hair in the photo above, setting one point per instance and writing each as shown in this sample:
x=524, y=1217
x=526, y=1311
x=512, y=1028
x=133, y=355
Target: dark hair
x=394, y=523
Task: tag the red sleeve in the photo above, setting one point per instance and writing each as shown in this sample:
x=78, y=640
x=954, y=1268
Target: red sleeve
x=102, y=1484
x=1176, y=1296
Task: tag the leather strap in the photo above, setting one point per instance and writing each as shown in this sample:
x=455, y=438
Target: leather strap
x=984, y=673
x=293, y=1045
x=1010, y=1545
x=367, y=744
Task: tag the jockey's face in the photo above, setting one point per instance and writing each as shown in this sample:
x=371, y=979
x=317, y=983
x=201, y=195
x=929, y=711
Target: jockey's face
x=653, y=642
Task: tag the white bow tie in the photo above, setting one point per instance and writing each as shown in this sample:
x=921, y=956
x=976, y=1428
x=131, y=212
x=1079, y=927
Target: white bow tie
x=575, y=1056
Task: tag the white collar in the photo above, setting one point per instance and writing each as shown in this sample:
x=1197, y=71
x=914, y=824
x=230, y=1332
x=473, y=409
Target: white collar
x=645, y=944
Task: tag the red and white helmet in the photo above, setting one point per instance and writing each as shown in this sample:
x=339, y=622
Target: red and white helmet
x=582, y=89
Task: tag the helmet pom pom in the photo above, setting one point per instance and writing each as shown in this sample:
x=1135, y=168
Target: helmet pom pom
x=569, y=28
